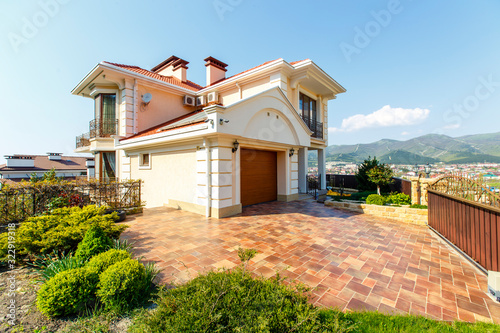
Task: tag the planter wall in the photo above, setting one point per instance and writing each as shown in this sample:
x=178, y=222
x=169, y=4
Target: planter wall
x=401, y=214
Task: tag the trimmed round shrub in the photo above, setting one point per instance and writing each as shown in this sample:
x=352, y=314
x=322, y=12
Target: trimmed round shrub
x=123, y=285
x=102, y=261
x=68, y=292
x=94, y=242
x=399, y=199
x=375, y=199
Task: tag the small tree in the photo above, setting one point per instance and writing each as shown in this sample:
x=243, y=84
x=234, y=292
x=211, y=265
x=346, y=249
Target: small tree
x=380, y=175
x=364, y=183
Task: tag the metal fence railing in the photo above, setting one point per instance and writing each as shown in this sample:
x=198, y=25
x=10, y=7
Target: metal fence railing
x=20, y=202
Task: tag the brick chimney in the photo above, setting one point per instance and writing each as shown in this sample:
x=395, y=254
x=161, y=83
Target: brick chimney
x=173, y=66
x=216, y=70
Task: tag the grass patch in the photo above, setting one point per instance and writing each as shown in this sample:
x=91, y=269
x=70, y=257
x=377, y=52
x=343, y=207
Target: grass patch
x=378, y=322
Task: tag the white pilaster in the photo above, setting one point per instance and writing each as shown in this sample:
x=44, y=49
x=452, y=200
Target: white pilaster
x=303, y=163
x=322, y=168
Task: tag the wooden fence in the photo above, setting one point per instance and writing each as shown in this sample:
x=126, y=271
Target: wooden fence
x=471, y=226
x=350, y=181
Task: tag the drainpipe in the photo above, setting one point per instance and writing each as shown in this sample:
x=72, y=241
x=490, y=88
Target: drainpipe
x=209, y=170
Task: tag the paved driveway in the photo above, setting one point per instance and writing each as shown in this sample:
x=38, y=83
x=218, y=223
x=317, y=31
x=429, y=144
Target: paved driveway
x=353, y=261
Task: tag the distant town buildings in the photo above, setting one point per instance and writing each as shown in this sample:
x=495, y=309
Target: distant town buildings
x=22, y=167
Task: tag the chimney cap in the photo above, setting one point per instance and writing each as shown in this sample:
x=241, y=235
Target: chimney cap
x=173, y=60
x=211, y=61
x=19, y=156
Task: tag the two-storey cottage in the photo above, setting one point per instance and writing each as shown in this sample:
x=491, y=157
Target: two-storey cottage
x=238, y=141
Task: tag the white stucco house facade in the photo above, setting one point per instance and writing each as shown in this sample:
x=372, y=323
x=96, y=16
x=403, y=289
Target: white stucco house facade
x=210, y=149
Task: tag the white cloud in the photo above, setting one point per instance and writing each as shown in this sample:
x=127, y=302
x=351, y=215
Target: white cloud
x=405, y=133
x=385, y=117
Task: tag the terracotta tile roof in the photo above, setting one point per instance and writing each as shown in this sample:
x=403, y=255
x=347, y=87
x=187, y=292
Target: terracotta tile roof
x=42, y=163
x=296, y=62
x=189, y=84
x=155, y=129
x=248, y=70
x=169, y=79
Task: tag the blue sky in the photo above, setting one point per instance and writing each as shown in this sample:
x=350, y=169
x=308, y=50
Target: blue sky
x=409, y=67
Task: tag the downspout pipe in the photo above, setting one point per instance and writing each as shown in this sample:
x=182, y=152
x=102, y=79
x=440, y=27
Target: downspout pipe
x=208, y=156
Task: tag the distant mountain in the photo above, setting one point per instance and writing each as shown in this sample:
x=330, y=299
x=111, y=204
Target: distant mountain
x=430, y=148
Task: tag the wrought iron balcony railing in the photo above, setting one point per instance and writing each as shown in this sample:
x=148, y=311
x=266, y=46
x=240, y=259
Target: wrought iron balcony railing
x=99, y=128
x=83, y=140
x=315, y=126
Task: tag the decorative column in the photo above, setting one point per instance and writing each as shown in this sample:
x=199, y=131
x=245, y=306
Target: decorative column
x=303, y=160
x=322, y=168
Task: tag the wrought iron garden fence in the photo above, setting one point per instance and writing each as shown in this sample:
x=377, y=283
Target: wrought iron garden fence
x=20, y=202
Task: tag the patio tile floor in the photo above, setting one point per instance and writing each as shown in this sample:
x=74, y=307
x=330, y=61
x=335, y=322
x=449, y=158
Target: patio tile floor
x=353, y=261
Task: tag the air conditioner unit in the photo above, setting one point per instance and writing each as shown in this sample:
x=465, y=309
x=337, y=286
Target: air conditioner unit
x=201, y=100
x=213, y=97
x=189, y=100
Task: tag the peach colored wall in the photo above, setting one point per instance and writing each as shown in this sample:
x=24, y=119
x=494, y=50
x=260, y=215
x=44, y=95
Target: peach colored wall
x=163, y=107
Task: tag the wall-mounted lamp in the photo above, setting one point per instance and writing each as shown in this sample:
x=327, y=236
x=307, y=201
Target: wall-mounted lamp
x=292, y=151
x=236, y=144
x=222, y=121
x=211, y=121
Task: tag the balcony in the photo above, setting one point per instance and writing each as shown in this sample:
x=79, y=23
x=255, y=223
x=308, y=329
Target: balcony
x=315, y=126
x=99, y=128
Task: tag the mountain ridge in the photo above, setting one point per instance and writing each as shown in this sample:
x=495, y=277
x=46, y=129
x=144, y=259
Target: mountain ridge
x=429, y=148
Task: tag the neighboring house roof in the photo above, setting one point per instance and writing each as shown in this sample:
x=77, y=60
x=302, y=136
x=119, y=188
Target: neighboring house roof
x=170, y=124
x=169, y=79
x=42, y=163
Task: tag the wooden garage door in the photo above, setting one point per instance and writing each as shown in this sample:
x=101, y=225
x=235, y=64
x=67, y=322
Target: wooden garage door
x=259, y=178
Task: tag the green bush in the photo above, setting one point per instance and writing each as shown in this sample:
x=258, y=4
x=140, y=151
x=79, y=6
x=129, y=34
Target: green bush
x=123, y=285
x=93, y=243
x=398, y=199
x=375, y=199
x=60, y=231
x=69, y=292
x=102, y=261
x=235, y=302
x=418, y=206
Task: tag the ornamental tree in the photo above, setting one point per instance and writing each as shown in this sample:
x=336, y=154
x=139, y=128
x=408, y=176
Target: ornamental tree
x=380, y=175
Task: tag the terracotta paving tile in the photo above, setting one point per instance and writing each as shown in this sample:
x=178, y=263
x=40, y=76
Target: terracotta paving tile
x=331, y=301
x=359, y=288
x=352, y=261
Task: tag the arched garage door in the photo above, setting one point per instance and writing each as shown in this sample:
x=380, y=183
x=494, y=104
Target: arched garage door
x=259, y=178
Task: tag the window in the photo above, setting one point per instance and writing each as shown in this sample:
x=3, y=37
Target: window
x=307, y=106
x=108, y=166
x=105, y=114
x=144, y=161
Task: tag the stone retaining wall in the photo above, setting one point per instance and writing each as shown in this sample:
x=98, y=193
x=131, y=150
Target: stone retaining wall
x=402, y=214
